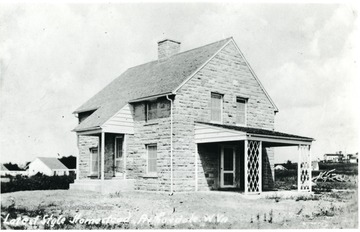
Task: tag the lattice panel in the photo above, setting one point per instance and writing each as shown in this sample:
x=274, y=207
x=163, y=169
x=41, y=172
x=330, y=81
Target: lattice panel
x=253, y=166
x=304, y=166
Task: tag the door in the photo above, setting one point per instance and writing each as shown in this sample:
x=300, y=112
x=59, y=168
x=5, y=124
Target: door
x=227, y=178
x=118, y=159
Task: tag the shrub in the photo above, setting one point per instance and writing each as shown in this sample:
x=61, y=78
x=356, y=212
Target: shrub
x=37, y=182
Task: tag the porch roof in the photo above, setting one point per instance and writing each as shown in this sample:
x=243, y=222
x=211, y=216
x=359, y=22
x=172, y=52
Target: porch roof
x=211, y=132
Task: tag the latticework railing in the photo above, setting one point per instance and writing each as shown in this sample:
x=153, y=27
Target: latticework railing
x=304, y=168
x=253, y=166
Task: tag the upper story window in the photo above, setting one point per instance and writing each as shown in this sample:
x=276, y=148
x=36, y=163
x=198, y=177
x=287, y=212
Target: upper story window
x=151, y=110
x=241, y=111
x=157, y=109
x=216, y=107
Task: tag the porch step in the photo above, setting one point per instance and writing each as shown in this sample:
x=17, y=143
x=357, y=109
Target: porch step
x=106, y=186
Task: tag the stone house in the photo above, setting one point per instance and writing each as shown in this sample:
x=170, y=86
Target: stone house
x=197, y=120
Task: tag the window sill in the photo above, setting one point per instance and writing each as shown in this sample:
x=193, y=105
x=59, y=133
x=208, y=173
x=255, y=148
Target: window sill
x=150, y=123
x=242, y=125
x=217, y=122
x=92, y=176
x=150, y=175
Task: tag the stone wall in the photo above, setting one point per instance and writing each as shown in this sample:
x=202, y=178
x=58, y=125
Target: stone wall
x=268, y=171
x=155, y=131
x=228, y=74
x=85, y=143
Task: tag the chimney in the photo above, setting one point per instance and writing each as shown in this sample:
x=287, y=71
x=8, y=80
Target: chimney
x=167, y=48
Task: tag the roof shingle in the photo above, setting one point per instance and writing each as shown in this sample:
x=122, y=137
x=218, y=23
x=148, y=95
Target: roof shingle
x=149, y=79
x=52, y=163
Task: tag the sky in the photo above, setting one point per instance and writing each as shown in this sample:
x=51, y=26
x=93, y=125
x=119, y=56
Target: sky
x=55, y=57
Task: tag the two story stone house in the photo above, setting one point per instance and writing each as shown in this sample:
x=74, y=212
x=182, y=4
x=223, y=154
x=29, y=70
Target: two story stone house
x=189, y=121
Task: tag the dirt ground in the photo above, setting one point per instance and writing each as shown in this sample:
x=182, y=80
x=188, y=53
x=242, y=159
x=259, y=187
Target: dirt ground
x=136, y=210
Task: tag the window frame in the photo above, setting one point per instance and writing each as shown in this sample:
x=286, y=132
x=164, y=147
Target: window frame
x=147, y=159
x=91, y=172
x=221, y=107
x=116, y=151
x=147, y=119
x=245, y=110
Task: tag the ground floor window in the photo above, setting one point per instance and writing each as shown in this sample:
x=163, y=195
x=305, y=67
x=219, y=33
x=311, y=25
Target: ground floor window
x=152, y=158
x=94, y=156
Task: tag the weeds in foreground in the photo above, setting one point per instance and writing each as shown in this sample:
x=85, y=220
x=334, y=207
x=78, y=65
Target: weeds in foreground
x=307, y=198
x=266, y=218
x=328, y=211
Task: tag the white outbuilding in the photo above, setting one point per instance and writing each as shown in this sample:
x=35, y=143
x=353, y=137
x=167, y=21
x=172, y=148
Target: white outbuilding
x=47, y=166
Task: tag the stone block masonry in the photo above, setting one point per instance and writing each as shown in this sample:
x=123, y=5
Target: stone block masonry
x=227, y=74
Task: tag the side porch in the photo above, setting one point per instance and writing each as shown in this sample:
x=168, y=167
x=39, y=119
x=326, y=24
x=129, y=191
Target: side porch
x=101, y=165
x=242, y=159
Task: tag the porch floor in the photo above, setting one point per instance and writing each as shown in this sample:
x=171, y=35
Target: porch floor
x=106, y=186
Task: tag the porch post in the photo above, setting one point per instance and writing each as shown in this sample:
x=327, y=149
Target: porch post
x=246, y=166
x=260, y=166
x=299, y=169
x=310, y=168
x=253, y=166
x=102, y=155
x=196, y=167
x=124, y=155
x=77, y=159
x=304, y=168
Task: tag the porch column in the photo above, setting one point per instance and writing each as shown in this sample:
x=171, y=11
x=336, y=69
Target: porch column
x=304, y=168
x=77, y=174
x=196, y=166
x=102, y=141
x=253, y=166
x=124, y=155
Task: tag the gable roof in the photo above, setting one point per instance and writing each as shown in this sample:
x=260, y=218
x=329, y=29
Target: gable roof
x=3, y=168
x=155, y=78
x=52, y=163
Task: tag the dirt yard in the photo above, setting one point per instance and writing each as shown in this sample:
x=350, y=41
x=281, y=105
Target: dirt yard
x=64, y=209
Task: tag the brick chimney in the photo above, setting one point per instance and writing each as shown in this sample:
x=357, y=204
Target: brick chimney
x=167, y=48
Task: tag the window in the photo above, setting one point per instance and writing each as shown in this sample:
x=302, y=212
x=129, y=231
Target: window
x=119, y=154
x=157, y=109
x=152, y=158
x=216, y=107
x=151, y=110
x=119, y=147
x=94, y=155
x=240, y=111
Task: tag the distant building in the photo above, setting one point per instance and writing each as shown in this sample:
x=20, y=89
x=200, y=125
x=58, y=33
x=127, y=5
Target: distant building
x=352, y=158
x=314, y=165
x=280, y=167
x=337, y=157
x=47, y=166
x=4, y=171
x=3, y=168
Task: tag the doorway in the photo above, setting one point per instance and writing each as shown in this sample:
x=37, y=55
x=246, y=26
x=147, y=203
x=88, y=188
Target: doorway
x=227, y=167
